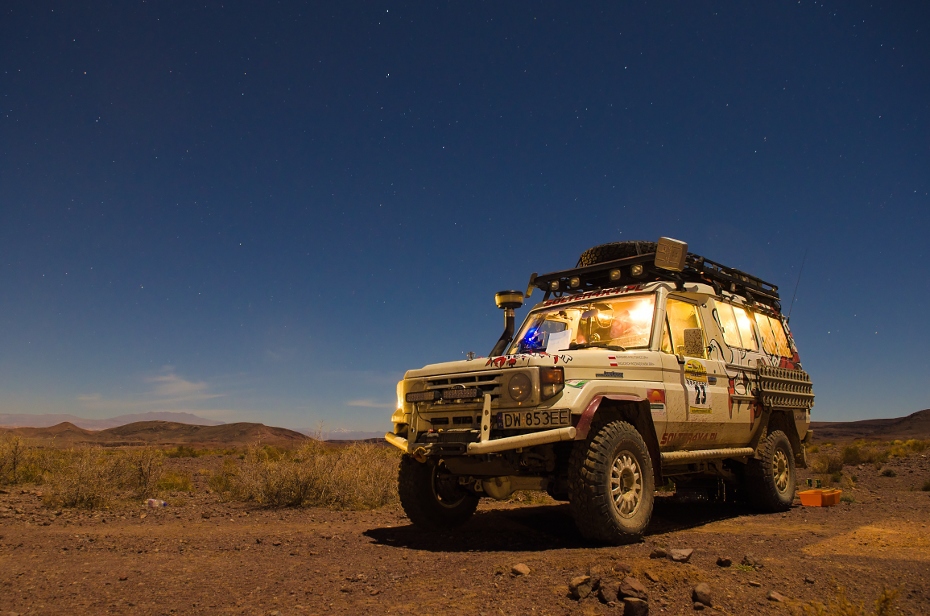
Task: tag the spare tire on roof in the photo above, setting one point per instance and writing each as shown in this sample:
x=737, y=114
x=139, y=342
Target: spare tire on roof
x=614, y=250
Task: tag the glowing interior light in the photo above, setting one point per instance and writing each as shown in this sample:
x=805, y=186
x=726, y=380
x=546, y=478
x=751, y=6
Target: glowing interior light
x=614, y=275
x=642, y=312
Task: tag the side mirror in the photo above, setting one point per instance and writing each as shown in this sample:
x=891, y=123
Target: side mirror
x=670, y=254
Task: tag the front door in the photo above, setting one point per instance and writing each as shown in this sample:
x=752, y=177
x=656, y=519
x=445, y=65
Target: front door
x=696, y=386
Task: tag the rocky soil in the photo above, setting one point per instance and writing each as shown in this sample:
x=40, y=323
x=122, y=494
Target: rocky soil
x=199, y=555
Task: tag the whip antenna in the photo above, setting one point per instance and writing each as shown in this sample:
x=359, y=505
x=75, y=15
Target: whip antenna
x=801, y=271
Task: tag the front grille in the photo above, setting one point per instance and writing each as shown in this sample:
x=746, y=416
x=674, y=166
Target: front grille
x=486, y=382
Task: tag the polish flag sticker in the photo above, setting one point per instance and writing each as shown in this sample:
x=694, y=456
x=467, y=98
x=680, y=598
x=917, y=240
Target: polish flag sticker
x=613, y=360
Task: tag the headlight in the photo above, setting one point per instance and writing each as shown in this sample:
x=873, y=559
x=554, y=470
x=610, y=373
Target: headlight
x=520, y=387
x=551, y=382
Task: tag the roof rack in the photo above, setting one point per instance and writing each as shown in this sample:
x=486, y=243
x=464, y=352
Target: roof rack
x=641, y=269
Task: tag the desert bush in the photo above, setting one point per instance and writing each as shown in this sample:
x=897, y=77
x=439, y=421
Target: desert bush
x=841, y=605
x=144, y=470
x=926, y=486
x=359, y=476
x=88, y=477
x=888, y=472
x=827, y=463
x=852, y=454
x=175, y=482
x=184, y=451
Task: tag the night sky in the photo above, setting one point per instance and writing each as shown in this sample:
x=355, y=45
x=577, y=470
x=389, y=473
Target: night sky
x=268, y=211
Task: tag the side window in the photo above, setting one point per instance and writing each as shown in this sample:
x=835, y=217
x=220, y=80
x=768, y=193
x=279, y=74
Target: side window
x=728, y=325
x=737, y=327
x=681, y=316
x=774, y=340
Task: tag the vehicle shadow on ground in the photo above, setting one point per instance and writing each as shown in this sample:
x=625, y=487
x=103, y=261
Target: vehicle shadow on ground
x=544, y=527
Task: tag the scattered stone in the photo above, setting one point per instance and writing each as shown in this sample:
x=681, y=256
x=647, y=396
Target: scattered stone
x=608, y=591
x=658, y=553
x=701, y=594
x=724, y=561
x=681, y=556
x=142, y=516
x=652, y=577
x=635, y=607
x=751, y=561
x=774, y=595
x=520, y=569
x=808, y=580
x=276, y=543
x=698, y=606
x=622, y=568
x=123, y=578
x=631, y=587
x=580, y=587
x=754, y=584
x=205, y=515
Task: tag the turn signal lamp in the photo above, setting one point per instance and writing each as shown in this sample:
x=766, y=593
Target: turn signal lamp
x=551, y=382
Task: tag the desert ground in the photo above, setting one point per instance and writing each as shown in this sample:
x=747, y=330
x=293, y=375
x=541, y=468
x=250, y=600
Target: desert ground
x=202, y=554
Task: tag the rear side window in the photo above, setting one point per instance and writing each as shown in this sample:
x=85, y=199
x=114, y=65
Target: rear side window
x=736, y=326
x=774, y=340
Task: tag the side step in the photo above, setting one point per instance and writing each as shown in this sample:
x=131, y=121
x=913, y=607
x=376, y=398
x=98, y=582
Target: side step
x=679, y=457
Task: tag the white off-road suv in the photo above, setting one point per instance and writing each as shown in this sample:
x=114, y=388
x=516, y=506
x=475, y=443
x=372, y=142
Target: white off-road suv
x=642, y=364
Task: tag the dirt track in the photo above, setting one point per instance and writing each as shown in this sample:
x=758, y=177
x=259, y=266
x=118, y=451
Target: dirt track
x=203, y=556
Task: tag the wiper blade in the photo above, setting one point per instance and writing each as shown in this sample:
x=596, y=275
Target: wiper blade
x=596, y=345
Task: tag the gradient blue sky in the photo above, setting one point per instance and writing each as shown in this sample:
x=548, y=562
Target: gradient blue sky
x=268, y=211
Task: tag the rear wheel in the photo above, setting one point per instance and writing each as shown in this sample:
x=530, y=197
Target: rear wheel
x=431, y=496
x=770, y=482
x=611, y=485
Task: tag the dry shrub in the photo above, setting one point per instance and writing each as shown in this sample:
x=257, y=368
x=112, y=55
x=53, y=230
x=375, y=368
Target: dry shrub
x=926, y=486
x=827, y=463
x=841, y=605
x=175, y=482
x=144, y=470
x=359, y=476
x=13, y=456
x=88, y=477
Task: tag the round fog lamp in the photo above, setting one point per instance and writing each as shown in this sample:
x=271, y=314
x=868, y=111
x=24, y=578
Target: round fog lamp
x=519, y=387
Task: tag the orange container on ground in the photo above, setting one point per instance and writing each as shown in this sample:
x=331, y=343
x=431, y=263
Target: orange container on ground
x=820, y=498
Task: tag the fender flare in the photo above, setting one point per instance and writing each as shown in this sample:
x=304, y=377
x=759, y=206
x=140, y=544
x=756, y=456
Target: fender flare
x=641, y=420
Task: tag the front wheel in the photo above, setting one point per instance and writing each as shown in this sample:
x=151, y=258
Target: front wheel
x=770, y=482
x=431, y=496
x=611, y=485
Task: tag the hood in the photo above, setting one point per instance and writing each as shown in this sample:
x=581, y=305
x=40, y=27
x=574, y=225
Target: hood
x=480, y=364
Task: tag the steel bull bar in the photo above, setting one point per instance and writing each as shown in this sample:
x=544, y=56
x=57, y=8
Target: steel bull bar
x=486, y=445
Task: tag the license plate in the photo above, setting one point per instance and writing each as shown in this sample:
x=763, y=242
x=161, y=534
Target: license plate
x=533, y=419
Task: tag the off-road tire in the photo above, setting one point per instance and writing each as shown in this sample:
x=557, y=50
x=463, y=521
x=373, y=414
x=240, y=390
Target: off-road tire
x=611, y=487
x=614, y=250
x=770, y=482
x=430, y=497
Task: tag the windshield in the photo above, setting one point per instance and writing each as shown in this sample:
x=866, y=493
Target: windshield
x=614, y=323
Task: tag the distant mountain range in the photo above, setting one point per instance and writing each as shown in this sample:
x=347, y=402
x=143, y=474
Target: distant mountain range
x=161, y=433
x=915, y=425
x=341, y=434
x=44, y=421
